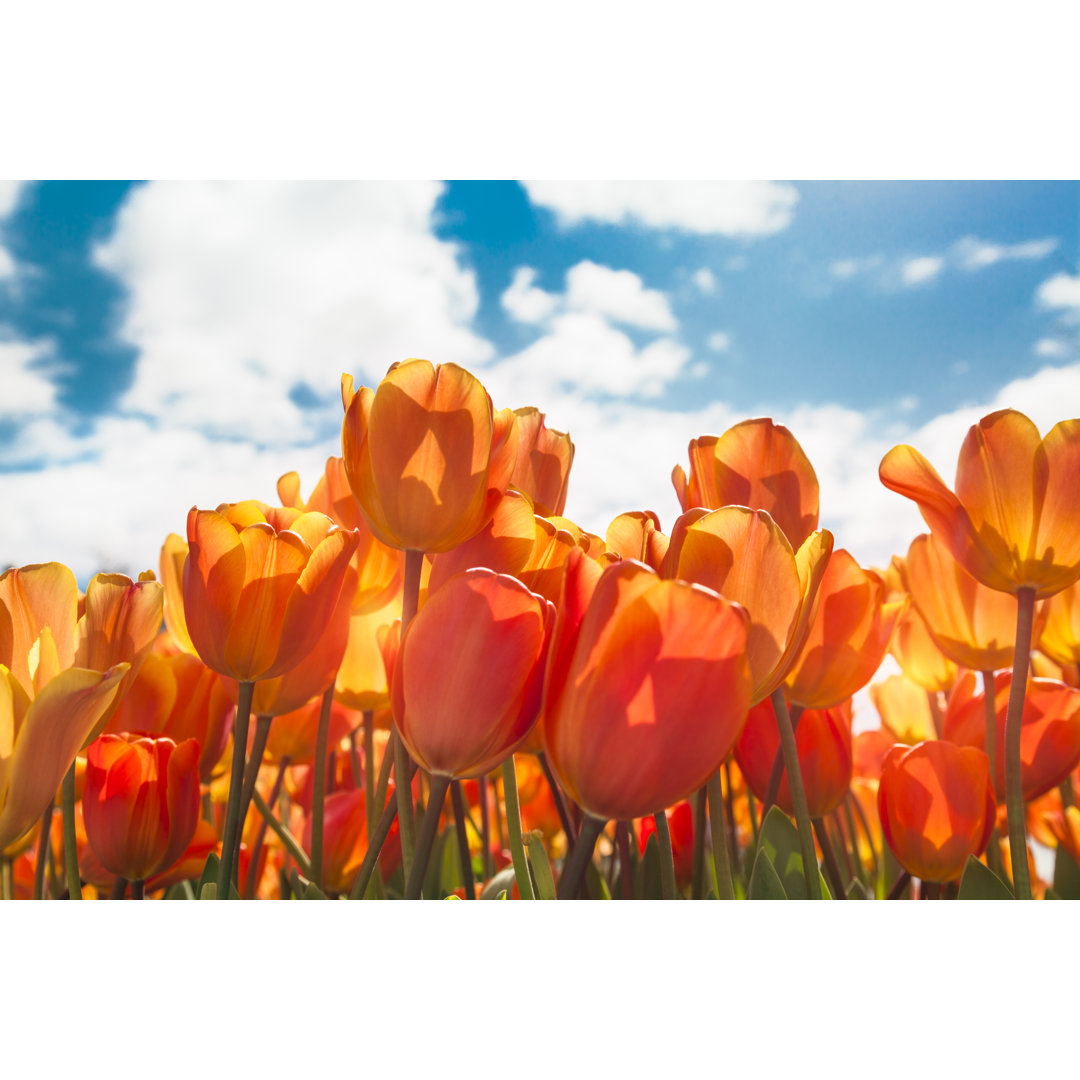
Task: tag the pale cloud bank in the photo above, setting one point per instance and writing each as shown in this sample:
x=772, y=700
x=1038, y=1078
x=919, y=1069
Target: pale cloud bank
x=726, y=207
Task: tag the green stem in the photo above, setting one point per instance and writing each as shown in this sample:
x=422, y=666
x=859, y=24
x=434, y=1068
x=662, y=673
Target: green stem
x=44, y=844
x=559, y=798
x=798, y=794
x=1014, y=790
x=577, y=864
x=899, y=885
x=403, y=795
x=860, y=814
x=729, y=817
x=138, y=889
x=485, y=826
x=260, y=836
x=375, y=846
x=464, y=856
x=832, y=867
x=369, y=770
x=354, y=763
x=251, y=771
x=318, y=796
x=725, y=887
x=667, y=856
x=7, y=879
x=292, y=845
x=852, y=836
x=119, y=889
x=751, y=804
x=993, y=846
x=622, y=841
x=229, y=842
x=71, y=848
x=697, y=886
x=777, y=773
x=838, y=829
x=426, y=837
x=513, y=827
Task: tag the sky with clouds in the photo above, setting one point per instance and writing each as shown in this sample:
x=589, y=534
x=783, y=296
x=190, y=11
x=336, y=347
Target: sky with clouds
x=164, y=345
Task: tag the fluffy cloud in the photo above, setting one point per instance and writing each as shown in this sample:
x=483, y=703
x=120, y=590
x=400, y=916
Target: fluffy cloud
x=920, y=270
x=10, y=190
x=28, y=392
x=719, y=342
x=705, y=280
x=971, y=253
x=1051, y=347
x=525, y=302
x=619, y=295
x=727, y=207
x=1060, y=291
x=241, y=295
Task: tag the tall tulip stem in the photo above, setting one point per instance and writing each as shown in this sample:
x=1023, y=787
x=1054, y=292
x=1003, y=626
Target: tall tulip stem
x=667, y=856
x=725, y=887
x=318, y=796
x=410, y=601
x=1014, y=789
x=7, y=879
x=513, y=827
x=369, y=770
x=71, y=849
x=577, y=864
x=236, y=787
x=43, y=848
x=558, y=796
x=457, y=799
x=832, y=867
x=697, y=887
x=798, y=794
x=993, y=848
x=426, y=837
x=256, y=848
x=251, y=769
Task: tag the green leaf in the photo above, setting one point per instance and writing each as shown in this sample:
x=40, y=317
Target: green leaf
x=981, y=883
x=208, y=877
x=779, y=839
x=502, y=882
x=858, y=891
x=541, y=868
x=1066, y=876
x=449, y=867
x=765, y=883
x=182, y=890
x=648, y=886
x=596, y=885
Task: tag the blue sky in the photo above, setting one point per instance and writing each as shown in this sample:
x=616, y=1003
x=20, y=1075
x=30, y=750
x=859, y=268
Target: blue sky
x=168, y=344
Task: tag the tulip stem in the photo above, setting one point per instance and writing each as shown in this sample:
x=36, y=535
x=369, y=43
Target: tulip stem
x=725, y=887
x=138, y=889
x=838, y=830
x=457, y=799
x=292, y=845
x=798, y=794
x=71, y=849
x=667, y=856
x=260, y=836
x=1014, y=789
x=899, y=885
x=832, y=867
x=403, y=794
x=426, y=837
x=229, y=842
x=577, y=864
x=7, y=879
x=485, y=826
x=354, y=764
x=777, y=773
x=729, y=817
x=119, y=889
x=860, y=814
x=558, y=796
x=513, y=827
x=369, y=770
x=251, y=769
x=622, y=841
x=993, y=847
x=696, y=883
x=43, y=847
x=318, y=796
x=375, y=844
x=852, y=838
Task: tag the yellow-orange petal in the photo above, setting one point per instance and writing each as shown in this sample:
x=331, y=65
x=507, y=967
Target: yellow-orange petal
x=32, y=598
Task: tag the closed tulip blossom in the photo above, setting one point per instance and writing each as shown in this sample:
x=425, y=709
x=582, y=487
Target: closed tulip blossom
x=1060, y=637
x=756, y=463
x=919, y=655
x=427, y=456
x=636, y=535
x=936, y=804
x=140, y=802
x=544, y=458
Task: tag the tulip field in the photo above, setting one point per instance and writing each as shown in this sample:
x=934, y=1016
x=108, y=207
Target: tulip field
x=422, y=681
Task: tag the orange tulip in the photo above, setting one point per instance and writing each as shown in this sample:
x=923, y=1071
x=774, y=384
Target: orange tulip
x=848, y=637
x=378, y=567
x=140, y=802
x=869, y=749
x=936, y=805
x=637, y=535
x=919, y=655
x=427, y=456
x=647, y=688
x=362, y=679
x=1011, y=523
x=973, y=625
x=823, y=740
x=174, y=553
x=681, y=829
x=1060, y=638
x=758, y=464
x=1049, y=731
x=469, y=673
x=905, y=709
x=743, y=555
x=293, y=734
x=345, y=840
x=260, y=583
x=1065, y=827
x=544, y=458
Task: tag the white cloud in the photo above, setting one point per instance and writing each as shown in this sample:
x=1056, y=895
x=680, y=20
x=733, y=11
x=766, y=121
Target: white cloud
x=619, y=295
x=719, y=342
x=705, y=280
x=241, y=292
x=920, y=270
x=971, y=253
x=730, y=208
x=27, y=391
x=524, y=301
x=1060, y=291
x=845, y=269
x=7, y=264
x=1051, y=347
x=10, y=190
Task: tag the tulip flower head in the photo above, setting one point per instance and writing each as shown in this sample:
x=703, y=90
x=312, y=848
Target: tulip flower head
x=427, y=457
x=1011, y=523
x=544, y=458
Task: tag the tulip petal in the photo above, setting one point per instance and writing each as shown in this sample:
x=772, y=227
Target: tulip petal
x=31, y=598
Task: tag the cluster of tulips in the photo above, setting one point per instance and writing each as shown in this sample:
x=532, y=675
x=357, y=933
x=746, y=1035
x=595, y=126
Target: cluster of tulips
x=284, y=709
